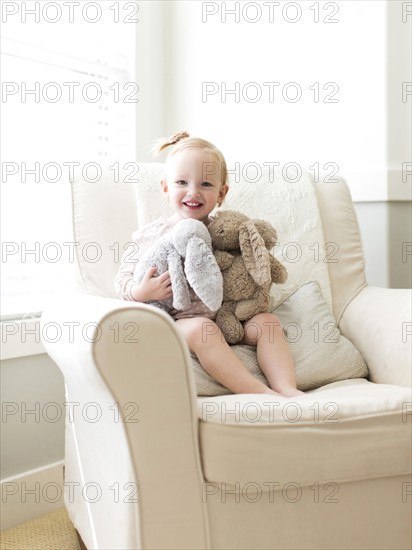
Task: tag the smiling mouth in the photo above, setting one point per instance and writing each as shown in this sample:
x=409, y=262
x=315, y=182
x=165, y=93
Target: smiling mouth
x=193, y=204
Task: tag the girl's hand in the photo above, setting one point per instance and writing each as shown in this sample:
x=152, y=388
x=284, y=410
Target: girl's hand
x=153, y=288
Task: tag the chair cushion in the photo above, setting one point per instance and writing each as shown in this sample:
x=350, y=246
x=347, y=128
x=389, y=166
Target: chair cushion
x=322, y=355
x=345, y=431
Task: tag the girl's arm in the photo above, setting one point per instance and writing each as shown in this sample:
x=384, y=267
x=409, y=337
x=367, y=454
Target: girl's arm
x=124, y=283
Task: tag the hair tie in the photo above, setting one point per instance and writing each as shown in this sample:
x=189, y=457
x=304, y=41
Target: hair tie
x=177, y=137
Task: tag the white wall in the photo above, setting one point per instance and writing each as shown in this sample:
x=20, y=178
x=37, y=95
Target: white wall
x=32, y=396
x=386, y=229
x=303, y=52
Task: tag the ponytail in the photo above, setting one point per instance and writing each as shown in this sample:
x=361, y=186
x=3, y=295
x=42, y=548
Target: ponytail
x=161, y=144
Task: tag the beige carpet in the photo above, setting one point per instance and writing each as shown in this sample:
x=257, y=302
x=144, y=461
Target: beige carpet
x=53, y=531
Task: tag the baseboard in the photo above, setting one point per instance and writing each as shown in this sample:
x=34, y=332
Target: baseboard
x=32, y=494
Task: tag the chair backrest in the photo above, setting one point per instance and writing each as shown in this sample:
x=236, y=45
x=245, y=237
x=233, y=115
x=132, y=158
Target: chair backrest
x=318, y=237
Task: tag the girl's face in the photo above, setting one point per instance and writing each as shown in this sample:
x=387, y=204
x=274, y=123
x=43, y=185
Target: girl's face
x=193, y=183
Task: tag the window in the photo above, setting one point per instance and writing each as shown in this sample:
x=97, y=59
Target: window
x=68, y=111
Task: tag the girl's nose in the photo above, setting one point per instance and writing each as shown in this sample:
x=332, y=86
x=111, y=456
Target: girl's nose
x=193, y=190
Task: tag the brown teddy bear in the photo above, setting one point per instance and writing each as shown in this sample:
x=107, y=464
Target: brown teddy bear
x=241, y=247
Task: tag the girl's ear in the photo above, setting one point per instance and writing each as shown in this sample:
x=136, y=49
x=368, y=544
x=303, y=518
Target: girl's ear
x=222, y=194
x=163, y=184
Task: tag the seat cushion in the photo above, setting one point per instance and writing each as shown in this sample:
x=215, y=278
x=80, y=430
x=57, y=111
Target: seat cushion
x=321, y=354
x=345, y=431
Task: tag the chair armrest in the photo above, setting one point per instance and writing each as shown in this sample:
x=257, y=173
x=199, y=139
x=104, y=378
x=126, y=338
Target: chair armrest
x=378, y=322
x=132, y=355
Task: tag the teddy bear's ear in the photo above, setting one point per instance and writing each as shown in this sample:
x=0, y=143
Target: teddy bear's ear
x=254, y=253
x=267, y=232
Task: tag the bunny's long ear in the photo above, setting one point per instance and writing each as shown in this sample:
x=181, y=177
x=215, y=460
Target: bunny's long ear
x=254, y=253
x=180, y=289
x=203, y=273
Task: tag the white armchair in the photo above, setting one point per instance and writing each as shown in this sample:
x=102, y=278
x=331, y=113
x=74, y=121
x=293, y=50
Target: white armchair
x=150, y=465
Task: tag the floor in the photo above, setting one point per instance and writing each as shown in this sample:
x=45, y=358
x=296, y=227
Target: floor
x=53, y=531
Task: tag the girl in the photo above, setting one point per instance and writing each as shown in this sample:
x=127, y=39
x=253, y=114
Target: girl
x=195, y=181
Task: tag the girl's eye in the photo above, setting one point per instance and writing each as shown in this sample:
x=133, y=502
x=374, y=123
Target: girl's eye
x=206, y=184
x=181, y=182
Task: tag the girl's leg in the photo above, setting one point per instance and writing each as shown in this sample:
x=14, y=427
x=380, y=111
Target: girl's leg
x=274, y=357
x=205, y=339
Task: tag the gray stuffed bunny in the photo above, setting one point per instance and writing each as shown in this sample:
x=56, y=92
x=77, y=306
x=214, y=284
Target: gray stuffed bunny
x=186, y=252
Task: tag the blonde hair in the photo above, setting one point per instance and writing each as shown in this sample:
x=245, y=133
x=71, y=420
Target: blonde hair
x=181, y=141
